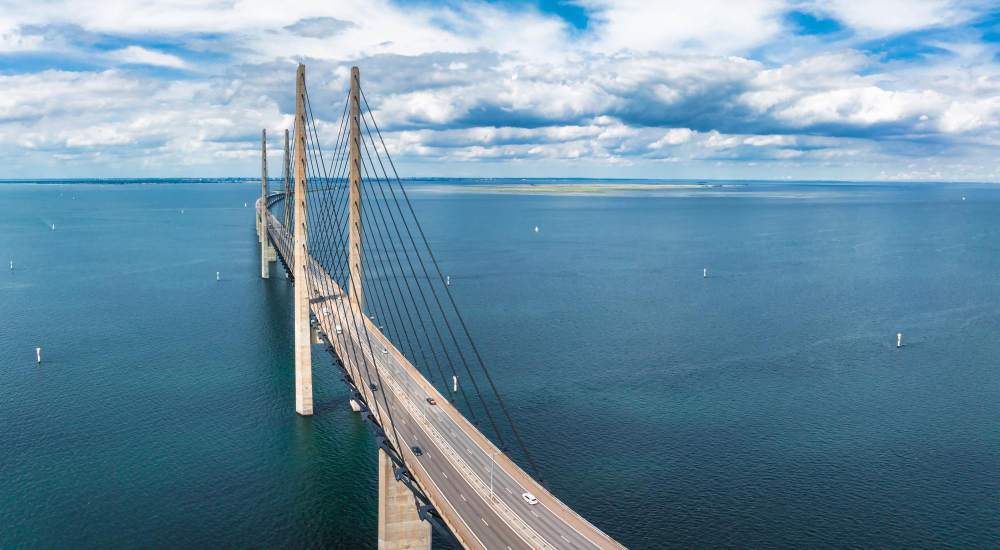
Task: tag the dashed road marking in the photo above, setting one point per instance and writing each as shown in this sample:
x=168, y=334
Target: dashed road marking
x=445, y=475
x=564, y=538
x=487, y=524
x=463, y=497
x=509, y=491
x=536, y=515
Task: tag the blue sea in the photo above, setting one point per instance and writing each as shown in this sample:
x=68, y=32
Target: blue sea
x=763, y=406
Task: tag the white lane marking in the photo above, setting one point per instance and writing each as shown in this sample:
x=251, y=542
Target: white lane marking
x=445, y=475
x=487, y=524
x=463, y=497
x=536, y=515
x=564, y=538
x=509, y=491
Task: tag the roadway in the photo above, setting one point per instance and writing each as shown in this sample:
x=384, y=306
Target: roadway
x=454, y=468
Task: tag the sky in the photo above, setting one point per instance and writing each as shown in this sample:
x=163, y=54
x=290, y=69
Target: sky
x=897, y=90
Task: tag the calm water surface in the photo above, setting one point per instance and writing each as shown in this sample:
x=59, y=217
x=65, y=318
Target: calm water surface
x=765, y=406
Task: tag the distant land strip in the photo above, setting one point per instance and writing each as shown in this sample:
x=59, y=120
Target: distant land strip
x=588, y=188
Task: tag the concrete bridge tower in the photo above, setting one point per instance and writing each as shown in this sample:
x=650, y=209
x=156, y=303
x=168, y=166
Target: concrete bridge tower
x=288, y=183
x=303, y=351
x=399, y=526
x=267, y=252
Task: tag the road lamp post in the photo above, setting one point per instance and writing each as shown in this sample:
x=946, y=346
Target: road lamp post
x=492, y=462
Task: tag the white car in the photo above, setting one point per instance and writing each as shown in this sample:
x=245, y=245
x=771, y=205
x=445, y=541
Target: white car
x=338, y=330
x=530, y=498
x=384, y=351
x=326, y=311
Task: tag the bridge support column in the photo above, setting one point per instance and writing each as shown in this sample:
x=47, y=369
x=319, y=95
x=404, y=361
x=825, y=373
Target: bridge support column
x=399, y=527
x=354, y=255
x=267, y=253
x=288, y=183
x=303, y=351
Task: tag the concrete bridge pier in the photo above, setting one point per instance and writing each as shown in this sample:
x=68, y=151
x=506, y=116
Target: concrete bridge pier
x=399, y=527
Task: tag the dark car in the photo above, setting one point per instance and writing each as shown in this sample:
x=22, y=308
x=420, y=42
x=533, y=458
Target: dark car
x=431, y=401
x=416, y=450
x=373, y=387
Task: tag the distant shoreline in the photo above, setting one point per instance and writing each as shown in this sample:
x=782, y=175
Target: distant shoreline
x=495, y=185
x=590, y=188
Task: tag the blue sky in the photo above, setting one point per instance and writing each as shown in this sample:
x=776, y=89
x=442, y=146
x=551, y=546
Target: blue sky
x=754, y=89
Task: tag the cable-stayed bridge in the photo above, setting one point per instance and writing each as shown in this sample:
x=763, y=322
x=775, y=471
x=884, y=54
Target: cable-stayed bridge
x=368, y=287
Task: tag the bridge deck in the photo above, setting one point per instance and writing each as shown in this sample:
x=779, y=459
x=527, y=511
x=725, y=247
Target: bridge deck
x=454, y=469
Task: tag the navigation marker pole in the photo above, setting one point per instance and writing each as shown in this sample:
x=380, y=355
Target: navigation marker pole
x=38, y=351
x=454, y=380
x=216, y=275
x=704, y=274
x=899, y=340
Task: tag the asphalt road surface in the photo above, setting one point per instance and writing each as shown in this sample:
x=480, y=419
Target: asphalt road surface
x=454, y=467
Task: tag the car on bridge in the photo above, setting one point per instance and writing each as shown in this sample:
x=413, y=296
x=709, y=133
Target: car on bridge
x=373, y=387
x=384, y=351
x=339, y=330
x=530, y=498
x=416, y=450
x=431, y=401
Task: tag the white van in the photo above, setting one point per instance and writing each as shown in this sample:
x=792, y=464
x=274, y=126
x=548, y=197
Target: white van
x=338, y=330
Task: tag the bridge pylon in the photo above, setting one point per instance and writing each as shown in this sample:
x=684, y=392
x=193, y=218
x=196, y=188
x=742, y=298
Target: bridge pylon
x=354, y=218
x=399, y=524
x=267, y=253
x=288, y=182
x=303, y=350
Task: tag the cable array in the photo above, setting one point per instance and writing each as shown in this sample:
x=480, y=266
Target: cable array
x=405, y=294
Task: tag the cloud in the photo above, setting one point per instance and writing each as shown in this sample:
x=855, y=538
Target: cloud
x=892, y=16
x=319, y=27
x=810, y=87
x=141, y=56
x=674, y=136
